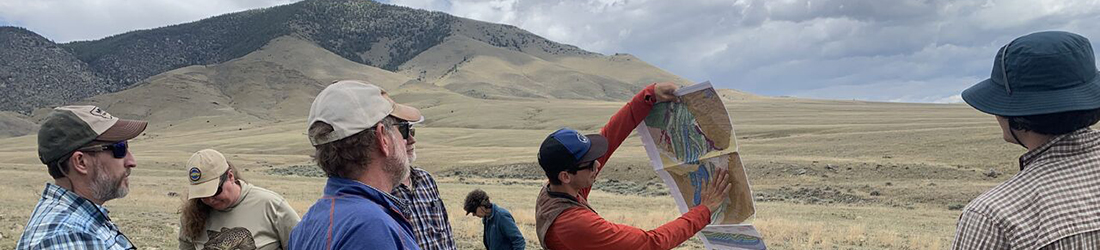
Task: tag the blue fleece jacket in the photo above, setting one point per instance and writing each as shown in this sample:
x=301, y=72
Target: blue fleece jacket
x=352, y=215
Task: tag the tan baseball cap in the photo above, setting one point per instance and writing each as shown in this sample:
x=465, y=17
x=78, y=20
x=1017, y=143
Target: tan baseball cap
x=351, y=106
x=69, y=128
x=204, y=171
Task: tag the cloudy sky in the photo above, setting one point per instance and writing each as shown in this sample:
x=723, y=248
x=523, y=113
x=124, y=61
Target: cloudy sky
x=883, y=50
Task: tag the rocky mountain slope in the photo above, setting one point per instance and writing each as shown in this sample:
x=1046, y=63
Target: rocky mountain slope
x=367, y=32
x=36, y=72
x=267, y=64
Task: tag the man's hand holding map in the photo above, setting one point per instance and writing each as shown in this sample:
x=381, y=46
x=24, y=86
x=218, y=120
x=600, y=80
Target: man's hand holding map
x=690, y=141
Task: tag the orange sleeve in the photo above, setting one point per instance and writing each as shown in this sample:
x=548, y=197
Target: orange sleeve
x=579, y=228
x=623, y=122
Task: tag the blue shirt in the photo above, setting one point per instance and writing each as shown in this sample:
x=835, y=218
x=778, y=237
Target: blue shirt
x=352, y=215
x=501, y=232
x=64, y=220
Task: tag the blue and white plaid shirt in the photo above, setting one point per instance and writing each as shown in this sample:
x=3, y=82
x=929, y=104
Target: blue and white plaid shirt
x=64, y=220
x=425, y=211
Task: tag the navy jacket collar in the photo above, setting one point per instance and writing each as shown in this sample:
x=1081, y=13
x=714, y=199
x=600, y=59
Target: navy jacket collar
x=342, y=187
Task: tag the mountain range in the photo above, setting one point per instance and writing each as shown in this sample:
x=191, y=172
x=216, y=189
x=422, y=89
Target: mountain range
x=267, y=64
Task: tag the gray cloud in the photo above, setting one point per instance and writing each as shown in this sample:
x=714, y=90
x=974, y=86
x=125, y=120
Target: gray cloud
x=69, y=20
x=903, y=50
x=909, y=50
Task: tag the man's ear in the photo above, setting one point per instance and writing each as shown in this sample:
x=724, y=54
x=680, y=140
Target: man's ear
x=565, y=177
x=79, y=162
x=383, y=139
x=231, y=177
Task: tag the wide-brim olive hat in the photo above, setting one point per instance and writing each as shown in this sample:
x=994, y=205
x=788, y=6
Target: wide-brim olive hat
x=1040, y=73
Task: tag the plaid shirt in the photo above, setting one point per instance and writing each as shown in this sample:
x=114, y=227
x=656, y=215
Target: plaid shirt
x=426, y=212
x=1052, y=203
x=63, y=220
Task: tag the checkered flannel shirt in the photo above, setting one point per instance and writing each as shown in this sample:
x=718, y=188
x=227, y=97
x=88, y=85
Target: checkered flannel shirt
x=425, y=211
x=63, y=220
x=1052, y=203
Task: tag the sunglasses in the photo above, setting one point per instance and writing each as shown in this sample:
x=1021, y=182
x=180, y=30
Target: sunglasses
x=220, y=184
x=406, y=129
x=118, y=149
x=124, y=241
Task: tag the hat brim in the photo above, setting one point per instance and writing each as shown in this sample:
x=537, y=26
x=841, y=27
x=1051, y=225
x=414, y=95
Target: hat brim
x=992, y=98
x=403, y=112
x=598, y=149
x=123, y=130
x=203, y=190
x=407, y=113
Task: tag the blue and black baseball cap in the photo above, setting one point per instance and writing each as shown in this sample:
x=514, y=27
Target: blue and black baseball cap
x=566, y=149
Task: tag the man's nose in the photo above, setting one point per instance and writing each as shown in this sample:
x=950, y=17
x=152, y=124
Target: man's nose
x=129, y=161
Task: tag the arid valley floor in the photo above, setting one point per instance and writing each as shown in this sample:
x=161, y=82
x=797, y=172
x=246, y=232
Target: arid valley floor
x=825, y=174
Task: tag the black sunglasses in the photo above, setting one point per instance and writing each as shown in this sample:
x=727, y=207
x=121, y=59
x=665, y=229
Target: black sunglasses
x=221, y=183
x=406, y=129
x=118, y=149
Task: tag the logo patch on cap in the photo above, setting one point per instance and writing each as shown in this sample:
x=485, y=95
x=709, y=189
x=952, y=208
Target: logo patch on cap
x=195, y=174
x=582, y=138
x=96, y=111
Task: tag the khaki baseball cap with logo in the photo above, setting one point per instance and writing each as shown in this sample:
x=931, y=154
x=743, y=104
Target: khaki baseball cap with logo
x=204, y=171
x=351, y=106
x=69, y=128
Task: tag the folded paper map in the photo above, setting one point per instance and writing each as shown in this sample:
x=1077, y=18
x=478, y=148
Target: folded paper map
x=686, y=142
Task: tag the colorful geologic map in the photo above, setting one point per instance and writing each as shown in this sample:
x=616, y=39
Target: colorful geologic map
x=686, y=142
x=733, y=237
x=691, y=177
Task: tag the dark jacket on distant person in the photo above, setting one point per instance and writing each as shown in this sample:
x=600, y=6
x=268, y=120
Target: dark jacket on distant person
x=501, y=232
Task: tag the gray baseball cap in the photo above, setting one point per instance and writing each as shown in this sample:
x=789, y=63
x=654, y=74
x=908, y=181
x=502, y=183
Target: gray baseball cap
x=69, y=128
x=352, y=106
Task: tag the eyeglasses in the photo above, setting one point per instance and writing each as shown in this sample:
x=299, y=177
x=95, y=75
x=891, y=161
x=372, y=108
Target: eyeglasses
x=125, y=241
x=406, y=129
x=220, y=184
x=118, y=149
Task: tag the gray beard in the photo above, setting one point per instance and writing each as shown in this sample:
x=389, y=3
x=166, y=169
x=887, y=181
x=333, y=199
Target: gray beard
x=105, y=188
x=398, y=169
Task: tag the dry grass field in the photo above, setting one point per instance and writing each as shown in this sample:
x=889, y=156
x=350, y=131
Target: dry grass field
x=826, y=174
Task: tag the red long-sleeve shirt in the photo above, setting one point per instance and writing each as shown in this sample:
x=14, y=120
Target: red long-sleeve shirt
x=580, y=228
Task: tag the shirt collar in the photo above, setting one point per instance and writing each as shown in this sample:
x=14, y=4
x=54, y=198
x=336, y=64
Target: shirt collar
x=492, y=211
x=1049, y=147
x=416, y=177
x=339, y=186
x=82, y=205
x=245, y=188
